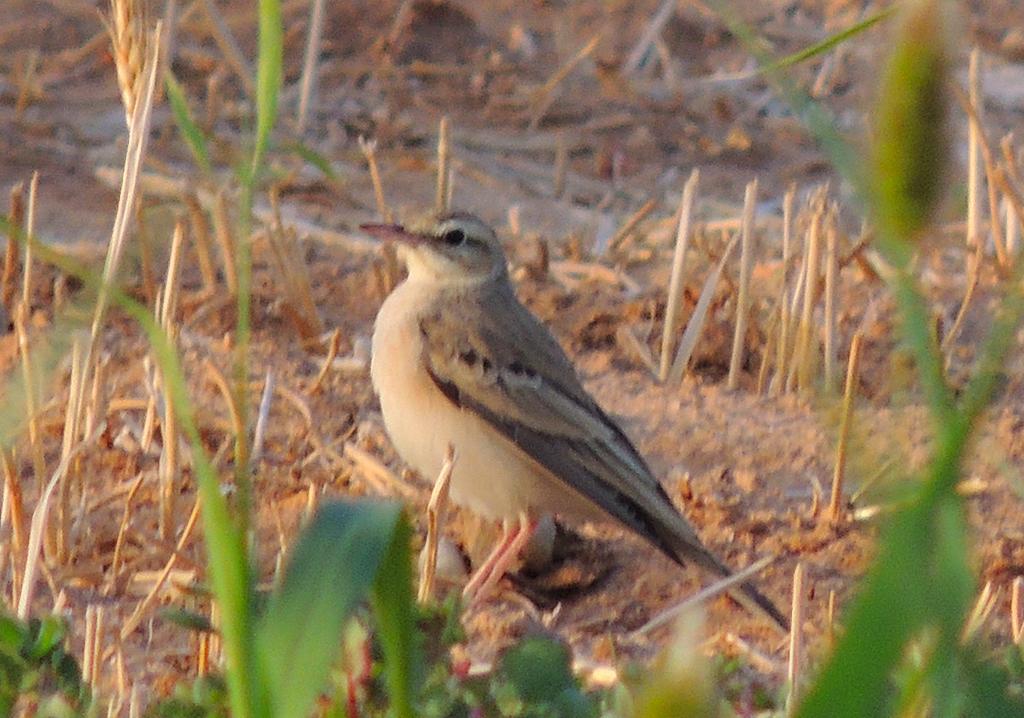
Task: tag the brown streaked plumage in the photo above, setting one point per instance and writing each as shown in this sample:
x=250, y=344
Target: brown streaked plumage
x=457, y=359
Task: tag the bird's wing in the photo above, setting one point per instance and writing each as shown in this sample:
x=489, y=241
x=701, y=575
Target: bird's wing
x=489, y=355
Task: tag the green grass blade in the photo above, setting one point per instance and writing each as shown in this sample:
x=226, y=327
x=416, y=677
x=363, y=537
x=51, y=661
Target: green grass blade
x=268, y=83
x=829, y=42
x=268, y=78
x=394, y=608
x=190, y=131
x=311, y=156
x=332, y=568
x=229, y=568
x=855, y=682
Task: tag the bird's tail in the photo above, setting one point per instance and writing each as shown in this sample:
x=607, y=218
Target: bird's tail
x=681, y=544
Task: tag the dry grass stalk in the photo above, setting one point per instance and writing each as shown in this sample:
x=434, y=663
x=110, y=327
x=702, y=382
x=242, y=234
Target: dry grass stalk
x=1009, y=183
x=223, y=232
x=547, y=94
x=627, y=340
x=831, y=296
x=149, y=290
x=140, y=611
x=91, y=651
x=221, y=34
x=442, y=197
x=839, y=471
x=973, y=158
x=138, y=135
x=806, y=348
x=30, y=231
x=14, y=504
x=297, y=301
x=743, y=296
x=307, y=83
x=260, y=432
x=787, y=381
x=17, y=221
x=706, y=593
x=766, y=354
x=974, y=262
x=980, y=613
x=321, y=447
x=561, y=165
x=695, y=327
x=435, y=520
x=974, y=112
x=1012, y=230
x=785, y=315
x=649, y=36
x=618, y=242
x=380, y=477
x=128, y=36
x=40, y=517
x=169, y=300
x=28, y=376
x=201, y=241
x=676, y=284
x=369, y=150
x=169, y=459
x=90, y=640
x=95, y=409
x=115, y=562
x=796, y=647
x=67, y=442
x=1017, y=610
x=333, y=345
x=149, y=423
x=758, y=659
x=221, y=383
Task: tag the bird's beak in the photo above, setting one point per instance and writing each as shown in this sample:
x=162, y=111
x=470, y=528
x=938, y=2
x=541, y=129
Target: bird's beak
x=393, y=233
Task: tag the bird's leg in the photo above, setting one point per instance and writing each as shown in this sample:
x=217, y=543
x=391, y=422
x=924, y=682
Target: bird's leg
x=506, y=554
x=478, y=579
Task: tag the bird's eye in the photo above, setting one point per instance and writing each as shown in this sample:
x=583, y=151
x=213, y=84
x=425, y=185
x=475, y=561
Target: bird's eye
x=453, y=237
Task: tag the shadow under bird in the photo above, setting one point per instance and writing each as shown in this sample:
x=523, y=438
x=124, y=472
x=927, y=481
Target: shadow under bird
x=458, y=360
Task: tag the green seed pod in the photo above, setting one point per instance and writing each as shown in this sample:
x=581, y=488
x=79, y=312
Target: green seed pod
x=910, y=148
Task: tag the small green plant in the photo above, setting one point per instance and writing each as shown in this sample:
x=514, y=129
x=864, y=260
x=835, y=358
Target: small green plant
x=37, y=674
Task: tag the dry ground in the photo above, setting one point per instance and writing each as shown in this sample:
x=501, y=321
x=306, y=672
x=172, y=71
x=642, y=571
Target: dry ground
x=742, y=465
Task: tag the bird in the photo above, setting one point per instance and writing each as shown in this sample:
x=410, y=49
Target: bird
x=458, y=361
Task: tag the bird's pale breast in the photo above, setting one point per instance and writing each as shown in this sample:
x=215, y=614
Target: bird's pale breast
x=492, y=477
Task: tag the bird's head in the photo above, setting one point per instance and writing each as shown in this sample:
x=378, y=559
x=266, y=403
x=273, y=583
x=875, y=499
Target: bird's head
x=453, y=248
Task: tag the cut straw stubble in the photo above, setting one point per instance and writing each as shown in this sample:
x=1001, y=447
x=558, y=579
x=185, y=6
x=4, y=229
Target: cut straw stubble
x=784, y=313
x=441, y=196
x=743, y=294
x=796, y=647
x=839, y=472
x=435, y=522
x=676, y=285
x=695, y=327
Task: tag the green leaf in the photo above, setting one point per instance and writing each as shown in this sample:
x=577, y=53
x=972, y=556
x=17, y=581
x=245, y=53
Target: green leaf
x=190, y=131
x=12, y=633
x=538, y=668
x=332, y=569
x=189, y=620
x=49, y=634
x=394, y=607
